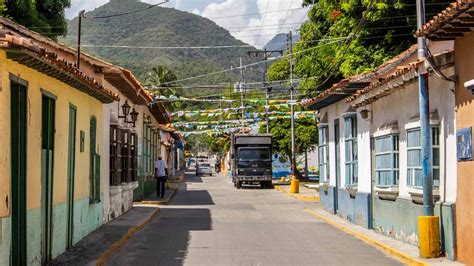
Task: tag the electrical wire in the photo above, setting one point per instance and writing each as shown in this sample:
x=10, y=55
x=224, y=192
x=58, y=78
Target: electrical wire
x=127, y=13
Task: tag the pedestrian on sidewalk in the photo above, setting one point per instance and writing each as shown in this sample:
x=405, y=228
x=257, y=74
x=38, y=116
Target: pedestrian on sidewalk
x=161, y=174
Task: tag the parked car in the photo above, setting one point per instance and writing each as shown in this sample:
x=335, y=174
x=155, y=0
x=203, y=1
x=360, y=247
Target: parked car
x=203, y=169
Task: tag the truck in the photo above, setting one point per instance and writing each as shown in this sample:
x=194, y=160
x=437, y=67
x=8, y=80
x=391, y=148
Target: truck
x=251, y=160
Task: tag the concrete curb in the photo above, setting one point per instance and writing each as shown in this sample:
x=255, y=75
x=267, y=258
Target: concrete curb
x=167, y=201
x=103, y=257
x=400, y=256
x=296, y=196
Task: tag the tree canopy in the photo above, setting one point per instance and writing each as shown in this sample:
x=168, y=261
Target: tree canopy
x=43, y=16
x=343, y=38
x=305, y=135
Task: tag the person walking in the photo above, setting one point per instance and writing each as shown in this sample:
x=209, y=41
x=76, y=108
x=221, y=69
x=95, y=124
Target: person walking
x=161, y=174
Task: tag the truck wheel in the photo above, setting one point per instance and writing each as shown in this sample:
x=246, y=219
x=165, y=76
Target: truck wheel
x=270, y=185
x=238, y=184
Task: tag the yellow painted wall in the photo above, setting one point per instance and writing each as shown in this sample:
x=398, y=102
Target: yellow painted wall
x=465, y=118
x=86, y=107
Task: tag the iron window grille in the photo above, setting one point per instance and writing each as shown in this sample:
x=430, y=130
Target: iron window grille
x=351, y=155
x=323, y=150
x=387, y=160
x=414, y=176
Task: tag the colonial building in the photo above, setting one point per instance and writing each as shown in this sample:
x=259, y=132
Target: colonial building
x=456, y=23
x=369, y=147
x=51, y=151
x=84, y=139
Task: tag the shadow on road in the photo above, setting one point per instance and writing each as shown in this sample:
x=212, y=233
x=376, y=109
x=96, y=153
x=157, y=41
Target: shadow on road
x=191, y=197
x=165, y=240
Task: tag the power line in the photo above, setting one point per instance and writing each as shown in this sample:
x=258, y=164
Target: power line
x=128, y=13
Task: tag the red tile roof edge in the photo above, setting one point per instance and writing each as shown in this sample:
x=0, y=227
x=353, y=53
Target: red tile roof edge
x=364, y=76
x=8, y=41
x=445, y=16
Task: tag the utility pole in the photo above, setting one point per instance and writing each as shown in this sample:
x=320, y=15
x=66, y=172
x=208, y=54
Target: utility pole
x=79, y=28
x=428, y=224
x=292, y=105
x=267, y=88
x=426, y=158
x=241, y=88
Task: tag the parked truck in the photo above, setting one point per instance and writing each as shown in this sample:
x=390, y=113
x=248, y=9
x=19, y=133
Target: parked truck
x=251, y=159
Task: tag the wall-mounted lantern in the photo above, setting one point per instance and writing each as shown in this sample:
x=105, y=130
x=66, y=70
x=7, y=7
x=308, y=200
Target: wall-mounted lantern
x=134, y=117
x=126, y=111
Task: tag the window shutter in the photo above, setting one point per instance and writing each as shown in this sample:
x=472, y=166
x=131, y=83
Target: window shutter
x=92, y=167
x=97, y=178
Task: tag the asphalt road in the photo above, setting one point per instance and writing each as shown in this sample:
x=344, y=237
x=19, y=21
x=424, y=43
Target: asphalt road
x=209, y=222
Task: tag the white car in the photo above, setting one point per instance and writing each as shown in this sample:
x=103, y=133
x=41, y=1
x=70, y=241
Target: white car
x=203, y=169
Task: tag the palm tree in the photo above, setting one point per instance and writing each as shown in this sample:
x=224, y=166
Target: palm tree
x=162, y=82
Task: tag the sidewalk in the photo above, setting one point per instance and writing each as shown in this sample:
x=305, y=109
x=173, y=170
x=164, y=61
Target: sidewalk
x=172, y=186
x=403, y=252
x=306, y=193
x=89, y=249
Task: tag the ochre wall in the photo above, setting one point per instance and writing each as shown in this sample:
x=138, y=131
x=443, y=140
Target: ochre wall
x=464, y=119
x=87, y=106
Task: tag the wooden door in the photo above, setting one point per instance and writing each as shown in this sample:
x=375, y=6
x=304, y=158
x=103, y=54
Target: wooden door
x=18, y=115
x=47, y=164
x=70, y=174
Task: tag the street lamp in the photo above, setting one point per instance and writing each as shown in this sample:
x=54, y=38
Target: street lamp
x=134, y=117
x=125, y=110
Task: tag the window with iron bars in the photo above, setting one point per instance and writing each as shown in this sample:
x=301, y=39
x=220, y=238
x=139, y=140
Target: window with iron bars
x=351, y=155
x=387, y=160
x=414, y=176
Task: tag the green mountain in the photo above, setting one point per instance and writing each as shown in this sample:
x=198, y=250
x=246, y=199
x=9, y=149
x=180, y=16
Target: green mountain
x=162, y=27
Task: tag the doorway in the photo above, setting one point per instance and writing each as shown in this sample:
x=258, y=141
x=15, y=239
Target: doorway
x=47, y=164
x=18, y=116
x=70, y=174
x=337, y=162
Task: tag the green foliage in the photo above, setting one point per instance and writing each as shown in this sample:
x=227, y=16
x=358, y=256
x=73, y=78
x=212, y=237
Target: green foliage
x=163, y=27
x=43, y=16
x=305, y=135
x=324, y=51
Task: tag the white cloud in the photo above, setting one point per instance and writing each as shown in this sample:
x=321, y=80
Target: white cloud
x=256, y=29
x=275, y=16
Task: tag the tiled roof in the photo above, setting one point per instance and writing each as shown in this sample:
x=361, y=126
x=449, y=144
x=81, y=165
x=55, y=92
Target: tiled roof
x=30, y=53
x=119, y=77
x=349, y=86
x=451, y=23
x=403, y=74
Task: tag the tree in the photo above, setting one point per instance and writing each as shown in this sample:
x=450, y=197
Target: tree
x=348, y=37
x=43, y=16
x=163, y=80
x=306, y=136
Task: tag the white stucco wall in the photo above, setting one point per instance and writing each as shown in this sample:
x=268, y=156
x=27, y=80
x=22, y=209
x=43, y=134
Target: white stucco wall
x=403, y=105
x=333, y=112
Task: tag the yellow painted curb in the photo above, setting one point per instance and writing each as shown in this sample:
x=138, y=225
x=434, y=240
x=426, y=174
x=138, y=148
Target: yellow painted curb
x=296, y=196
x=405, y=258
x=103, y=257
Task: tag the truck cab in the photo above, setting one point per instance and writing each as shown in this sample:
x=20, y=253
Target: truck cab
x=251, y=157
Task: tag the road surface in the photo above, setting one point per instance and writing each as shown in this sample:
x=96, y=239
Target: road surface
x=209, y=222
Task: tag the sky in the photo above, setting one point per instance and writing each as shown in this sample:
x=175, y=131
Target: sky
x=252, y=21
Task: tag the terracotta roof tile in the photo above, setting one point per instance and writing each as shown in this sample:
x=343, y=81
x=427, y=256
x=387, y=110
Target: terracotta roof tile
x=368, y=77
x=436, y=25
x=9, y=41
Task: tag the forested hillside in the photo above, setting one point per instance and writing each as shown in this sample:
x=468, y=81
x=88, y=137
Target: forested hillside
x=161, y=27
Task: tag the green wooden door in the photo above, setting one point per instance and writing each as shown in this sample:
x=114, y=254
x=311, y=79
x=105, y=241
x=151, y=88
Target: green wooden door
x=70, y=174
x=47, y=162
x=18, y=117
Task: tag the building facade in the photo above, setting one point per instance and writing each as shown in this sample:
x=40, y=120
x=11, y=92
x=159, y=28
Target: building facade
x=456, y=24
x=369, y=148
x=51, y=152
